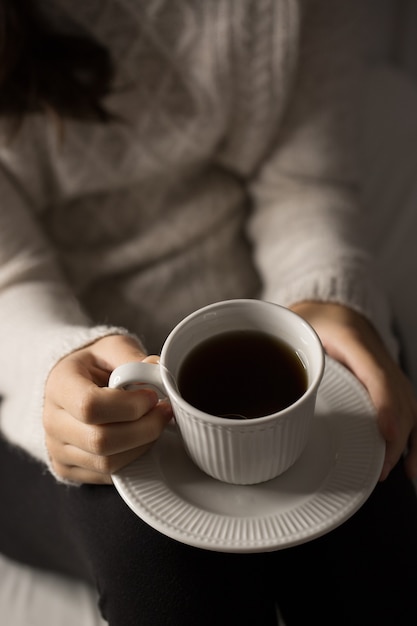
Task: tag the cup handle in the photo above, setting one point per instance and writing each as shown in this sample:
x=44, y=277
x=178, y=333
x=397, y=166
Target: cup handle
x=136, y=375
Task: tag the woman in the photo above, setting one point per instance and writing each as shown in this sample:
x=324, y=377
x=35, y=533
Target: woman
x=156, y=157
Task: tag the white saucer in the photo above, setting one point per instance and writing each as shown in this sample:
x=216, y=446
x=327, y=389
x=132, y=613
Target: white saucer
x=334, y=476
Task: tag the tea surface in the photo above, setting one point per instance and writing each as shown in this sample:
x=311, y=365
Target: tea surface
x=242, y=374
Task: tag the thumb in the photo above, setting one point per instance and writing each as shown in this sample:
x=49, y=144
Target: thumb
x=152, y=358
x=114, y=350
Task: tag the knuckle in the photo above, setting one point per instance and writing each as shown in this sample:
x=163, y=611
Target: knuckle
x=88, y=407
x=103, y=464
x=97, y=440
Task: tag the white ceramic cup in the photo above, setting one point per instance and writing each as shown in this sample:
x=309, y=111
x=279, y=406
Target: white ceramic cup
x=235, y=451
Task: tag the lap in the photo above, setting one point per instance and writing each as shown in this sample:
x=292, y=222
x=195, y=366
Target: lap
x=90, y=532
x=363, y=570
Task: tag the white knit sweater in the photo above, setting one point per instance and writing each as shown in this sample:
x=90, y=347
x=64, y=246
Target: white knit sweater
x=232, y=175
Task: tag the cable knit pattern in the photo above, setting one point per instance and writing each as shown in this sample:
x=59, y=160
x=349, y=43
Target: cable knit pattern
x=231, y=175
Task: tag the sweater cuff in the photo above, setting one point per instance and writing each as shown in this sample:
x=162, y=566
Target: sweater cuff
x=28, y=432
x=346, y=288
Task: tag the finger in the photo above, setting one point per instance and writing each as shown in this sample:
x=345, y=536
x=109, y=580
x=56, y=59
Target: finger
x=395, y=420
x=411, y=458
x=71, y=463
x=396, y=414
x=351, y=339
x=70, y=389
x=393, y=452
x=392, y=418
x=109, y=439
x=382, y=378
x=81, y=476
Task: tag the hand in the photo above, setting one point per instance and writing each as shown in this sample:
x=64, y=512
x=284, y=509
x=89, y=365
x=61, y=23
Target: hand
x=349, y=338
x=91, y=430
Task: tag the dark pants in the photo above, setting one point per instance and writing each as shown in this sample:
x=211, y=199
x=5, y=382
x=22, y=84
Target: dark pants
x=364, y=573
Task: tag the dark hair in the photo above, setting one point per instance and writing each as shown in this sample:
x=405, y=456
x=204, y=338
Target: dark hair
x=42, y=69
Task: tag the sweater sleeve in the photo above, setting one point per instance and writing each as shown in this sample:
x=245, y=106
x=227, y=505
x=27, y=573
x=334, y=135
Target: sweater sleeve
x=40, y=320
x=306, y=226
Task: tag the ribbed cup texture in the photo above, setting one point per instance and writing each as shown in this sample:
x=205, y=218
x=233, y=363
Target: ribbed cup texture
x=246, y=453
